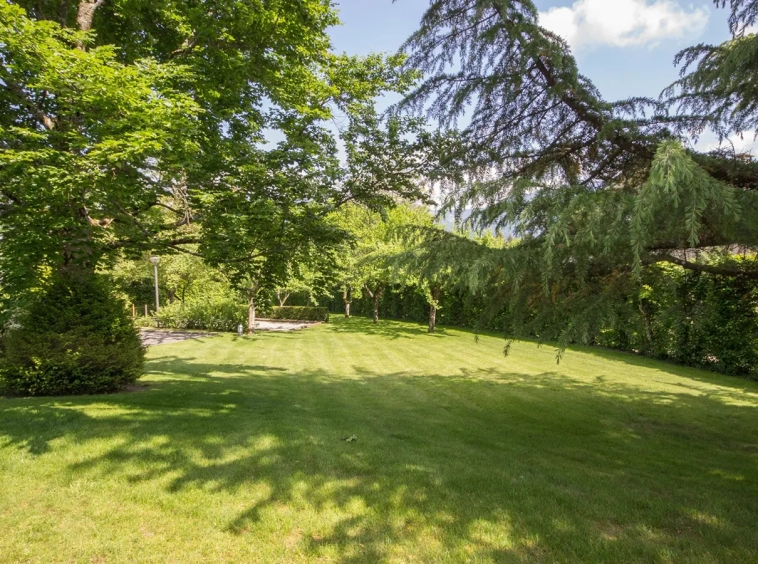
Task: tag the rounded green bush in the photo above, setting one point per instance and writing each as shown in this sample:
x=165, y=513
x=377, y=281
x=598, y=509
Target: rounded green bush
x=74, y=338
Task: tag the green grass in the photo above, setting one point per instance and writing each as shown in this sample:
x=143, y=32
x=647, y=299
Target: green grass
x=233, y=454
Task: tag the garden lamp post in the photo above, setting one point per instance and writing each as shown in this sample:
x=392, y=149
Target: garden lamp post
x=155, y=261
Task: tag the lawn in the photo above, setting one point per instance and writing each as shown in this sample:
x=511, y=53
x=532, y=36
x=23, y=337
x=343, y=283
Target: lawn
x=234, y=454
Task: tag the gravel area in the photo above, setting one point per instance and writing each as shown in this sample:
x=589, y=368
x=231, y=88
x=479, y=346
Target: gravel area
x=276, y=325
x=162, y=337
x=159, y=337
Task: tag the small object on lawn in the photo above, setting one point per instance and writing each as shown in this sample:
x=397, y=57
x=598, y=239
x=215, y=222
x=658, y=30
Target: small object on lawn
x=239, y=329
x=350, y=439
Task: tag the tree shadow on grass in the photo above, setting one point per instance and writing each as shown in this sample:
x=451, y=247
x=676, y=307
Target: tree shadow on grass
x=741, y=383
x=476, y=466
x=389, y=329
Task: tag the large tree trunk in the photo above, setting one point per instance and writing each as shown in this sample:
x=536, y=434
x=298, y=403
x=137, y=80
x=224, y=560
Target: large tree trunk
x=432, y=318
x=84, y=16
x=347, y=296
x=376, y=308
x=86, y=13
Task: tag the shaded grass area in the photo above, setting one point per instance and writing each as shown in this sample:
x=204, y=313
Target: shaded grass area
x=234, y=454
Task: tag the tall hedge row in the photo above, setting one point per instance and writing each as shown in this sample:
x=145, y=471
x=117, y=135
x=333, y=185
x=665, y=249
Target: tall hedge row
x=299, y=313
x=695, y=319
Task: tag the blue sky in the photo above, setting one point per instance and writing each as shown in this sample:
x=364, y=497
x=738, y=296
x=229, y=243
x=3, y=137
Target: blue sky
x=626, y=47
x=634, y=62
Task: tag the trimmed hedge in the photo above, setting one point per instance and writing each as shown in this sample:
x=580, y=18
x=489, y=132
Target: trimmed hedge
x=299, y=313
x=211, y=315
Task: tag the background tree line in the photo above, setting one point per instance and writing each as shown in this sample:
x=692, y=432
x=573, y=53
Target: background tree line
x=404, y=265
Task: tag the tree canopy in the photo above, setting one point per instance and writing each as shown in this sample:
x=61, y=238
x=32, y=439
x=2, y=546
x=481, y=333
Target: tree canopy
x=595, y=191
x=125, y=122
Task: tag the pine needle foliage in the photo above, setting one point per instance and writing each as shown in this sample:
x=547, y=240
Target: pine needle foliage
x=721, y=91
x=74, y=338
x=594, y=191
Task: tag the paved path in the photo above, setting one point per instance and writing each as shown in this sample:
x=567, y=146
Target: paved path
x=162, y=337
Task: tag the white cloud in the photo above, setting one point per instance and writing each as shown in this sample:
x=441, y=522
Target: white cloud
x=623, y=23
x=746, y=142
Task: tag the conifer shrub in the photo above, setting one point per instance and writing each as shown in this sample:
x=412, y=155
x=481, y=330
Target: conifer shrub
x=74, y=338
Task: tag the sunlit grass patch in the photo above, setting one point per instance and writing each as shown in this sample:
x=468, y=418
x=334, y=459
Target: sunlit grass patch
x=236, y=453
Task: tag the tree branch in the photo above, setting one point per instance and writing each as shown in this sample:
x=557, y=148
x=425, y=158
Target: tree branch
x=86, y=13
x=368, y=291
x=46, y=121
x=698, y=267
x=185, y=251
x=582, y=111
x=187, y=47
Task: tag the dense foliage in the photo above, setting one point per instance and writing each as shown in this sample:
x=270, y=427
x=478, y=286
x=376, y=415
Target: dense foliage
x=74, y=338
x=365, y=263
x=597, y=193
x=129, y=128
x=213, y=313
x=133, y=135
x=119, y=141
x=299, y=313
x=200, y=133
x=698, y=319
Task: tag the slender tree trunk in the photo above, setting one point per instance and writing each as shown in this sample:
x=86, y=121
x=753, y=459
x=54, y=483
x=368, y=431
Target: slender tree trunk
x=648, y=326
x=433, y=309
x=251, y=316
x=282, y=299
x=376, y=295
x=347, y=296
x=252, y=293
